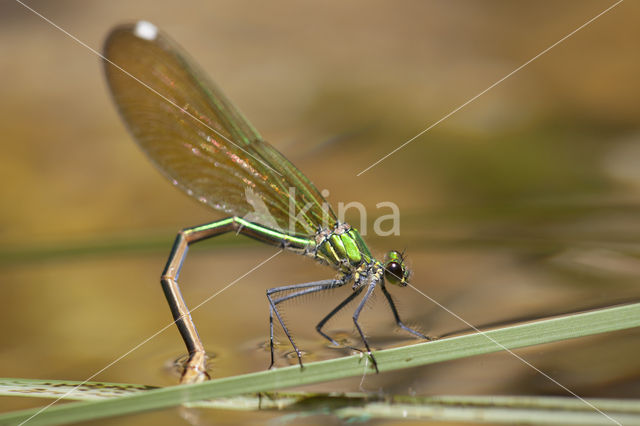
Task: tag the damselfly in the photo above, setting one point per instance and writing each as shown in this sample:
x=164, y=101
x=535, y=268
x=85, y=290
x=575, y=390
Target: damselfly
x=202, y=143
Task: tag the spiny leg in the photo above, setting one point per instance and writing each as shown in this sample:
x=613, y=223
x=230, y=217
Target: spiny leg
x=356, y=315
x=334, y=311
x=397, y=317
x=306, y=288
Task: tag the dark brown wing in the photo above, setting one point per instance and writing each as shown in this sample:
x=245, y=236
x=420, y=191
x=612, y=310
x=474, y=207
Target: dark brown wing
x=196, y=137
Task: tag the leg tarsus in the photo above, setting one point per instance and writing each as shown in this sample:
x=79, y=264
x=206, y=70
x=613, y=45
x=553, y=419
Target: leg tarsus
x=272, y=309
x=412, y=331
x=335, y=310
x=306, y=288
x=356, y=315
x=400, y=324
x=271, y=336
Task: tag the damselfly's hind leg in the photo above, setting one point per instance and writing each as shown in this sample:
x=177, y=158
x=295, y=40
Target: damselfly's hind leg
x=397, y=317
x=298, y=290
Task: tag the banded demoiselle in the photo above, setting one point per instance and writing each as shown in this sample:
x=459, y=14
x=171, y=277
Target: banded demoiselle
x=202, y=143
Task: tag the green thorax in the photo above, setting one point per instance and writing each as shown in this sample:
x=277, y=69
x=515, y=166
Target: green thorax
x=342, y=247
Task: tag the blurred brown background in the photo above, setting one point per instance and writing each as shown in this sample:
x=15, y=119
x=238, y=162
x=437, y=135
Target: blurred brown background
x=523, y=204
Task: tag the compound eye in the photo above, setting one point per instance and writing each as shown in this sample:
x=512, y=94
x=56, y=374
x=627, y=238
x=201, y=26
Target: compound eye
x=394, y=272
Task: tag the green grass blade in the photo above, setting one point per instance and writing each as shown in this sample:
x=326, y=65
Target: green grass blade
x=67, y=389
x=349, y=406
x=512, y=337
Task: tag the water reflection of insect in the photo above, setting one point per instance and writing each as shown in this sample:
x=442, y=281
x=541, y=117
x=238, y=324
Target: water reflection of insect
x=199, y=141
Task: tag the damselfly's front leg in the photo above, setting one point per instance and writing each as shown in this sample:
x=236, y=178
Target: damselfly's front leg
x=302, y=289
x=195, y=369
x=397, y=317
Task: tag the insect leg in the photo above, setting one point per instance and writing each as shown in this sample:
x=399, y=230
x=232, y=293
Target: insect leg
x=356, y=315
x=306, y=288
x=397, y=317
x=334, y=311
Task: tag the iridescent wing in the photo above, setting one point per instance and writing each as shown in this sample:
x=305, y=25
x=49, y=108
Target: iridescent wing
x=197, y=138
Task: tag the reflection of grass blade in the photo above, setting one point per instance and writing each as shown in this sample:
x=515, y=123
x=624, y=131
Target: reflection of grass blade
x=499, y=409
x=543, y=331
